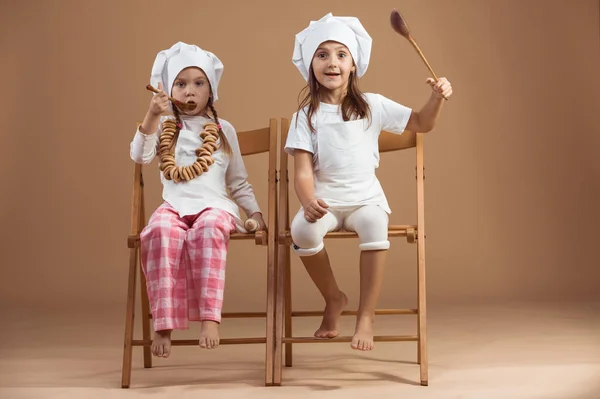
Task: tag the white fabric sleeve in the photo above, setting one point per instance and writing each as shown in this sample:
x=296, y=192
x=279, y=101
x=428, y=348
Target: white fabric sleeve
x=299, y=135
x=393, y=117
x=144, y=147
x=236, y=177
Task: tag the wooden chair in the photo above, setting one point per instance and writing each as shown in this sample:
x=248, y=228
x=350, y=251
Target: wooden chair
x=413, y=234
x=251, y=142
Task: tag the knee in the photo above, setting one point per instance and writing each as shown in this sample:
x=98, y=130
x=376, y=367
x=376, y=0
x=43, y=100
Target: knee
x=154, y=229
x=213, y=223
x=305, y=239
x=372, y=228
x=374, y=245
x=374, y=238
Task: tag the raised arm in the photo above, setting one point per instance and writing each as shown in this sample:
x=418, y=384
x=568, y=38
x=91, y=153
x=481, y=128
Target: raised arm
x=425, y=119
x=144, y=145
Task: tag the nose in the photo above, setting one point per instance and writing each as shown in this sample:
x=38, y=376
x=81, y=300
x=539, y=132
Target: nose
x=189, y=90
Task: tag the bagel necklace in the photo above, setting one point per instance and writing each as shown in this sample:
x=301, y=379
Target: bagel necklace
x=167, y=141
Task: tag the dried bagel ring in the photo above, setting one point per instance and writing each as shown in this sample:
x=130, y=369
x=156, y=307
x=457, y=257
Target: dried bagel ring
x=183, y=172
x=203, y=164
x=203, y=152
x=210, y=145
x=197, y=168
x=191, y=172
x=172, y=173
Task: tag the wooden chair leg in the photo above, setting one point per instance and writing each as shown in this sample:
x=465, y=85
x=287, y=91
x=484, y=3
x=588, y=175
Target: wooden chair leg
x=129, y=317
x=146, y=321
x=288, y=306
x=271, y=308
x=422, y=317
x=418, y=311
x=279, y=316
x=418, y=344
x=422, y=292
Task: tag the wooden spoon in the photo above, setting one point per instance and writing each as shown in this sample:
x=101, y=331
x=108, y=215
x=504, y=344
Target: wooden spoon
x=400, y=26
x=179, y=104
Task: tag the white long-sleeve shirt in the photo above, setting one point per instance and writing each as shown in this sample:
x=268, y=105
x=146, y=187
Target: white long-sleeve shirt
x=227, y=173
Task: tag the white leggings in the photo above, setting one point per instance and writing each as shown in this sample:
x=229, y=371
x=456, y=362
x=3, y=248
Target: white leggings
x=370, y=222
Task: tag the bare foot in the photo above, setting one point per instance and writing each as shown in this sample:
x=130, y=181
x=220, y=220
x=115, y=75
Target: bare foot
x=209, y=334
x=333, y=309
x=363, y=334
x=161, y=344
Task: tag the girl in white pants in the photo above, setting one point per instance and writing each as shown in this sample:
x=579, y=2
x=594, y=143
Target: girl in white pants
x=334, y=140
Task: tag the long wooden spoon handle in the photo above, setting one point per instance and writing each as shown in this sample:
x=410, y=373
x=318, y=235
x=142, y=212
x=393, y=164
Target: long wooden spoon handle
x=416, y=46
x=152, y=89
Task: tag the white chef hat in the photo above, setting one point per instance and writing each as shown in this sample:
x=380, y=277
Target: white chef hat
x=169, y=63
x=346, y=30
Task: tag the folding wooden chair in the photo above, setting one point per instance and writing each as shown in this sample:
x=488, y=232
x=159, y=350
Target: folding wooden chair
x=251, y=142
x=413, y=234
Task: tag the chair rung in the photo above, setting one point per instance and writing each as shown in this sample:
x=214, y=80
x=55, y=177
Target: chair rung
x=310, y=313
x=401, y=230
x=260, y=238
x=352, y=234
x=133, y=241
x=241, y=236
x=191, y=342
x=241, y=315
x=377, y=338
x=236, y=315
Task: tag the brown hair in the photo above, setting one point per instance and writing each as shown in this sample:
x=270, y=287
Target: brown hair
x=225, y=146
x=354, y=104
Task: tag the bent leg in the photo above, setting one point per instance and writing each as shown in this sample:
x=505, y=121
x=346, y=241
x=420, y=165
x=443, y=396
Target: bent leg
x=308, y=244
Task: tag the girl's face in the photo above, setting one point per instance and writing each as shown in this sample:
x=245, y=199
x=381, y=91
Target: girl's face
x=192, y=86
x=332, y=64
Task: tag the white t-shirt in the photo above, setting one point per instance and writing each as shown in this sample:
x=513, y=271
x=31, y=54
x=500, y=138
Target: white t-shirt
x=227, y=173
x=386, y=115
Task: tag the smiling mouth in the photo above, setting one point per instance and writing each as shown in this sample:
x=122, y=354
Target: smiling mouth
x=332, y=74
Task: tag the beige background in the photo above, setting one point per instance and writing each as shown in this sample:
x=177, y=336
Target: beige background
x=512, y=169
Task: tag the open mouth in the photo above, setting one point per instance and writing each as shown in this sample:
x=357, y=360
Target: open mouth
x=331, y=74
x=190, y=102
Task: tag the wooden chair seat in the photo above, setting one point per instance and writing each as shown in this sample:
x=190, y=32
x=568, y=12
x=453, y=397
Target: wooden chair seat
x=259, y=237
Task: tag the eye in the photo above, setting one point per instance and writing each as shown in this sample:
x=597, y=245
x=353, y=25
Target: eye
x=179, y=84
x=200, y=83
x=321, y=55
x=342, y=55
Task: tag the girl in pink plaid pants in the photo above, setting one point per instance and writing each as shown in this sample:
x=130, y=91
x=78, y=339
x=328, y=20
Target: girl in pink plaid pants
x=184, y=246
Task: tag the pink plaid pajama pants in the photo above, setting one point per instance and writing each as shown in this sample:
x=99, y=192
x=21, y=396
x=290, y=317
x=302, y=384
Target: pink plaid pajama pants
x=183, y=260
